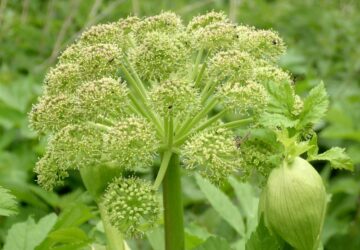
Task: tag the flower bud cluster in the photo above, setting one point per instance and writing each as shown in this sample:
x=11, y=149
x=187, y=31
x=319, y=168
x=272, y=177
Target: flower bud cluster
x=52, y=113
x=213, y=153
x=95, y=61
x=105, y=34
x=132, y=205
x=92, y=101
x=175, y=96
x=106, y=97
x=262, y=44
x=271, y=73
x=158, y=55
x=131, y=143
x=231, y=65
x=212, y=31
x=128, y=25
x=64, y=78
x=73, y=147
x=248, y=97
x=49, y=173
x=258, y=156
x=166, y=22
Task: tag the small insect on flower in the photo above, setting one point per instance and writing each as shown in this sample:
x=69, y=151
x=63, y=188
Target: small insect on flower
x=241, y=139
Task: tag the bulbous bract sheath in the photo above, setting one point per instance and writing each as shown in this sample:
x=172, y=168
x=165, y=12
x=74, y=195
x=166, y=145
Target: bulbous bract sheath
x=294, y=204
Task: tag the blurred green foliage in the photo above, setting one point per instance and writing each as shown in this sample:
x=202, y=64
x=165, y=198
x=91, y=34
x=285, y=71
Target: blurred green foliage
x=323, y=44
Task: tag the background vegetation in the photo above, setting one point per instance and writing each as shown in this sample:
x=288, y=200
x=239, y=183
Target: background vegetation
x=323, y=44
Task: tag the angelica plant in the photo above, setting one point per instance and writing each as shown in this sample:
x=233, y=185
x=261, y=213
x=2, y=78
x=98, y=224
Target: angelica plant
x=129, y=92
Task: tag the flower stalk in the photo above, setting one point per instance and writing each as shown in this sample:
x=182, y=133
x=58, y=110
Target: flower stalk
x=115, y=240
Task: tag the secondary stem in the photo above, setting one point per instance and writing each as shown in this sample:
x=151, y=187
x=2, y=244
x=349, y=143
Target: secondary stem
x=115, y=240
x=163, y=167
x=173, y=207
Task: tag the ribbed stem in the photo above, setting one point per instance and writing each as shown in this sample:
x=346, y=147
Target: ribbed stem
x=173, y=206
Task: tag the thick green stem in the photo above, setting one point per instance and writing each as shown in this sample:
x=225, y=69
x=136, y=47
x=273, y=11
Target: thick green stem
x=173, y=206
x=115, y=240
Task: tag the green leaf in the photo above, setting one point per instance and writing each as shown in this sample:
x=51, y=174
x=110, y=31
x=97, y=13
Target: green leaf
x=276, y=120
x=248, y=202
x=156, y=238
x=222, y=204
x=337, y=157
x=262, y=239
x=8, y=204
x=315, y=106
x=73, y=216
x=279, y=111
x=192, y=241
x=195, y=236
x=214, y=243
x=66, y=238
x=314, y=145
x=292, y=146
x=28, y=235
x=69, y=235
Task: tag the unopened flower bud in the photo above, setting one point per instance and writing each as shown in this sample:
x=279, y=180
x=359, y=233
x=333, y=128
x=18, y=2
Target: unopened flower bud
x=131, y=143
x=176, y=96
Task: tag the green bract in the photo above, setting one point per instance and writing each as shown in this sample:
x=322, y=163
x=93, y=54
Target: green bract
x=135, y=90
x=294, y=204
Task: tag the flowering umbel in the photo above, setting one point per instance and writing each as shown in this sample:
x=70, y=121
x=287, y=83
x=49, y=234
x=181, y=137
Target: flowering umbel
x=131, y=91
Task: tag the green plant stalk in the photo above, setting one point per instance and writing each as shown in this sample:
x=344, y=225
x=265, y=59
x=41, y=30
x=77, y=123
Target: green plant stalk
x=95, y=187
x=146, y=113
x=200, y=75
x=173, y=206
x=163, y=167
x=115, y=240
x=197, y=62
x=206, y=124
x=236, y=124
